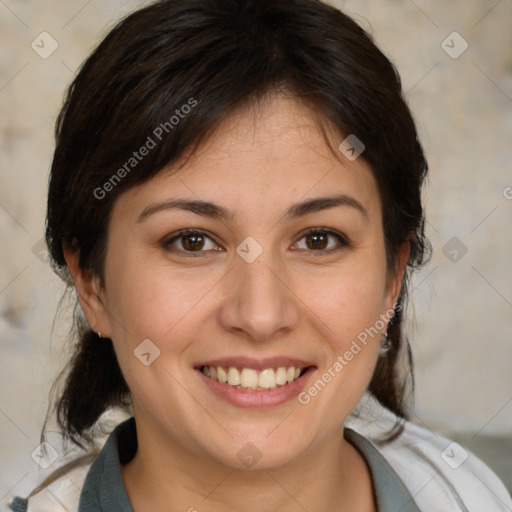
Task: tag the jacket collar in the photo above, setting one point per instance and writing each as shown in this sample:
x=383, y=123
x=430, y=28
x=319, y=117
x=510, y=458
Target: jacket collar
x=104, y=490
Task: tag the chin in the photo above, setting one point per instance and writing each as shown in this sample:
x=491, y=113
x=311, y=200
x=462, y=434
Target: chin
x=254, y=453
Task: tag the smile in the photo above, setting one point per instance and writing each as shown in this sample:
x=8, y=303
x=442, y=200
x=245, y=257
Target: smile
x=253, y=380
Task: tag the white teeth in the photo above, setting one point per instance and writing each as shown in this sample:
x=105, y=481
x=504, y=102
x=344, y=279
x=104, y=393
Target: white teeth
x=267, y=379
x=233, y=377
x=248, y=378
x=222, y=376
x=281, y=376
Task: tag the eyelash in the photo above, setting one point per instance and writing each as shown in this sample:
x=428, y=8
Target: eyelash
x=343, y=241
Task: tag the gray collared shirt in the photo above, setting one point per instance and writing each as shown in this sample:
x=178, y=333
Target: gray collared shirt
x=104, y=490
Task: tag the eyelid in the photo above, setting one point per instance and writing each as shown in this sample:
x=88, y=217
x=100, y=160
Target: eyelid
x=342, y=239
x=168, y=240
x=327, y=231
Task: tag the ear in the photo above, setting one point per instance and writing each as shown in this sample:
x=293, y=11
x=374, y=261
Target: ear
x=89, y=292
x=394, y=284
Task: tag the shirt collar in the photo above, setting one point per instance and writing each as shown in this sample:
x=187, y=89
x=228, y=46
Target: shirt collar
x=390, y=492
x=104, y=491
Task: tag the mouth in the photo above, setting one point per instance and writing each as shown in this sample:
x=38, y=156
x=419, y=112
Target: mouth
x=250, y=382
x=252, y=379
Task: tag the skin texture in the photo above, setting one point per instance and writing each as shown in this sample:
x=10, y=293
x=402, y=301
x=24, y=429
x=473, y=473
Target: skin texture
x=291, y=301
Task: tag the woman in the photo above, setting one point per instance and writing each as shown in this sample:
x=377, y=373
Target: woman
x=235, y=196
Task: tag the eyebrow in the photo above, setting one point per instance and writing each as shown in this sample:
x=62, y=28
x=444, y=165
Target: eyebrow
x=214, y=211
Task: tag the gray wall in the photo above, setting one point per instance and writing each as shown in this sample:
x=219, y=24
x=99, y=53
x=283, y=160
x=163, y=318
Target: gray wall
x=461, y=337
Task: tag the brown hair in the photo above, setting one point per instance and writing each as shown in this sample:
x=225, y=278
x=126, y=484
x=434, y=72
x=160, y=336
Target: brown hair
x=223, y=55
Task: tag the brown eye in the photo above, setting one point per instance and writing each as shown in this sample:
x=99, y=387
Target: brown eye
x=192, y=242
x=189, y=241
x=320, y=240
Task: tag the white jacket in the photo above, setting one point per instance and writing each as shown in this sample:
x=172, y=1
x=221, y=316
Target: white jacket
x=440, y=475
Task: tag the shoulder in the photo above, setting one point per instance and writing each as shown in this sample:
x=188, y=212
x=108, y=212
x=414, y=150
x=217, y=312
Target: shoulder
x=61, y=496
x=71, y=473
x=439, y=474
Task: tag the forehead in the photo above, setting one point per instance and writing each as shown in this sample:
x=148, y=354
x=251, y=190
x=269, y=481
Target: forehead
x=270, y=153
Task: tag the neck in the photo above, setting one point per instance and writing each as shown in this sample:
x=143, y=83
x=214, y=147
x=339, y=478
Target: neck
x=330, y=476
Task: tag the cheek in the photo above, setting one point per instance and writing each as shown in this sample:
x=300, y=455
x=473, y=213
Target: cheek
x=146, y=304
x=348, y=309
x=359, y=305
x=171, y=307
x=150, y=304
x=347, y=299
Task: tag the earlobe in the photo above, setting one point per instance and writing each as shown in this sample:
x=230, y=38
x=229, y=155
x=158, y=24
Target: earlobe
x=88, y=290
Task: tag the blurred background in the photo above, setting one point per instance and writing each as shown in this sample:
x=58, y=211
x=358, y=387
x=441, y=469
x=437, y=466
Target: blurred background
x=455, y=60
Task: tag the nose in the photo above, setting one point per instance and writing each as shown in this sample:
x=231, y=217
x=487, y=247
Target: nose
x=259, y=303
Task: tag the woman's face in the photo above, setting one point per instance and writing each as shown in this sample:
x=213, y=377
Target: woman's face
x=252, y=291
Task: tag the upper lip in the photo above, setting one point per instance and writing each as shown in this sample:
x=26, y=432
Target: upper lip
x=256, y=364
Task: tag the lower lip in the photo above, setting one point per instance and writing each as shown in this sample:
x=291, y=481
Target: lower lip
x=255, y=399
